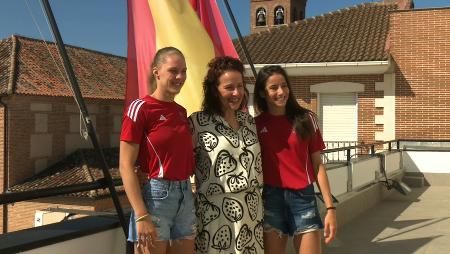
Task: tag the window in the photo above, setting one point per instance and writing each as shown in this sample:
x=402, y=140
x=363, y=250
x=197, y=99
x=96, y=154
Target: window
x=279, y=15
x=261, y=17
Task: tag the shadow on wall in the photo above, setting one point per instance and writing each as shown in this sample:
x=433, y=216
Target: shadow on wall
x=402, y=87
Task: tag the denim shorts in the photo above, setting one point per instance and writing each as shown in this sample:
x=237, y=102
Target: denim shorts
x=171, y=207
x=290, y=212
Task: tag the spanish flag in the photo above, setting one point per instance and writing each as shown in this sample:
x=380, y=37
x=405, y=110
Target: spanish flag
x=193, y=26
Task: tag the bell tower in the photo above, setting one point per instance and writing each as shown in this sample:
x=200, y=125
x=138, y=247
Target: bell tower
x=269, y=13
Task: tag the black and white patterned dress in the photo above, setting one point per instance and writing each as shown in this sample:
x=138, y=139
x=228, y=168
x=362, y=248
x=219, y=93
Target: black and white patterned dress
x=229, y=178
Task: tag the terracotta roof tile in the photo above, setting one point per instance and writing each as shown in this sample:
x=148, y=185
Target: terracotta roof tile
x=6, y=49
x=79, y=167
x=353, y=34
x=99, y=75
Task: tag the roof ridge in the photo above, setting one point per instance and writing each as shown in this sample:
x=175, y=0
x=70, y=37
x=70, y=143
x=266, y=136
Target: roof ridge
x=13, y=64
x=67, y=45
x=86, y=171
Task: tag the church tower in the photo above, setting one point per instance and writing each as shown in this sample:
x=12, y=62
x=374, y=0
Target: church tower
x=269, y=13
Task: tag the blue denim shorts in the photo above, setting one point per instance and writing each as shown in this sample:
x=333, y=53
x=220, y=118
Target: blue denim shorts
x=171, y=207
x=290, y=212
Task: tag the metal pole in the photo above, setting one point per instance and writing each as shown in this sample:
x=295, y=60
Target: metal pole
x=83, y=109
x=13, y=197
x=241, y=40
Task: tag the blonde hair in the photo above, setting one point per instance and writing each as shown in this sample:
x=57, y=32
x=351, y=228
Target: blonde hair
x=158, y=60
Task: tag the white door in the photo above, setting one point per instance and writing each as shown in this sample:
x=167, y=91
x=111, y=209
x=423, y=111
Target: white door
x=339, y=116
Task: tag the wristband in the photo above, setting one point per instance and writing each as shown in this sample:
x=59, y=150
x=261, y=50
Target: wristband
x=141, y=218
x=331, y=208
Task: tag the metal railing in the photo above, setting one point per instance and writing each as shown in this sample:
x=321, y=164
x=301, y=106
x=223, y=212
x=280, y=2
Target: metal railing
x=339, y=156
x=343, y=155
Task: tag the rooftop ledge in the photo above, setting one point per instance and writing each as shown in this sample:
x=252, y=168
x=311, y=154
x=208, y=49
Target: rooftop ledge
x=76, y=232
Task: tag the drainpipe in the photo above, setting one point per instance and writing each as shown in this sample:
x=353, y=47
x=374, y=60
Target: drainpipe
x=5, y=164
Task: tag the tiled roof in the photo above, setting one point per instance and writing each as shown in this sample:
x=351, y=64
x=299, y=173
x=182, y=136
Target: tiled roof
x=6, y=47
x=79, y=167
x=99, y=75
x=347, y=35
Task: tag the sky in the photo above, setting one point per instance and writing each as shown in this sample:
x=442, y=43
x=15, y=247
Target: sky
x=102, y=24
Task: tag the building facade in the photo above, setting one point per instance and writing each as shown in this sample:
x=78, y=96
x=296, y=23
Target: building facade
x=373, y=72
x=40, y=122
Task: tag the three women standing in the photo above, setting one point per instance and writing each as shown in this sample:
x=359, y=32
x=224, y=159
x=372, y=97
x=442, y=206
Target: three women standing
x=291, y=143
x=228, y=165
x=156, y=132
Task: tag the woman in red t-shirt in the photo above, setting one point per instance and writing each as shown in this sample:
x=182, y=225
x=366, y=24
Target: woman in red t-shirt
x=291, y=143
x=156, y=134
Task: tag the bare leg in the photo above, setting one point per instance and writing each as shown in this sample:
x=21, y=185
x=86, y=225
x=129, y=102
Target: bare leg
x=308, y=243
x=181, y=246
x=274, y=243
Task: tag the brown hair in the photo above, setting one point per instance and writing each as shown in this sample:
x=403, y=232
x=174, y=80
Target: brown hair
x=298, y=115
x=218, y=66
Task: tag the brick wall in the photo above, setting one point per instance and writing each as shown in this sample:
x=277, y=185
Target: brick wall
x=420, y=45
x=35, y=116
x=42, y=131
x=22, y=214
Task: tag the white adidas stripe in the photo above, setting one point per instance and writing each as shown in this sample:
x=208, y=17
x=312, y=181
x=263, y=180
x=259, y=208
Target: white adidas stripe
x=137, y=110
x=134, y=109
x=131, y=107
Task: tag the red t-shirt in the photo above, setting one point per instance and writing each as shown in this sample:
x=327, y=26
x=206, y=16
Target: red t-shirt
x=286, y=158
x=162, y=131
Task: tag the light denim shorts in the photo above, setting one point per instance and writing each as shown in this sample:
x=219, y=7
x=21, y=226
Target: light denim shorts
x=171, y=207
x=290, y=212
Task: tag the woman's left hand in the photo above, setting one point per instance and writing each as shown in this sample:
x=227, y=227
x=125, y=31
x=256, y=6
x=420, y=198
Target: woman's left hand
x=329, y=232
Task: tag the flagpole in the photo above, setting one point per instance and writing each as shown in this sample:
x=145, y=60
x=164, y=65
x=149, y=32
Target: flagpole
x=241, y=40
x=85, y=115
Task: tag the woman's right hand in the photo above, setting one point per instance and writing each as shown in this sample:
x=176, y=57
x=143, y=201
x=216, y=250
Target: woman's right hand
x=146, y=232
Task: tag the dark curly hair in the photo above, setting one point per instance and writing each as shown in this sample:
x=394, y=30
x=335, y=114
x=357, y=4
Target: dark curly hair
x=298, y=115
x=216, y=67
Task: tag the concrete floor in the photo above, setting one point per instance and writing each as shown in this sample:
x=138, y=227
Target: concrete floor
x=415, y=224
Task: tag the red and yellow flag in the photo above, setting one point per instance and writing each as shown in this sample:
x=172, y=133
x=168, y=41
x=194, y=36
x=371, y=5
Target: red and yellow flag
x=193, y=26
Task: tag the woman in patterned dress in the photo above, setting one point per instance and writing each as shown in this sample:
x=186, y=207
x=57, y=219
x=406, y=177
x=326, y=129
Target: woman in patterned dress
x=228, y=165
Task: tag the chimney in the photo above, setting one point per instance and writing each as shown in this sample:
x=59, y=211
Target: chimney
x=402, y=4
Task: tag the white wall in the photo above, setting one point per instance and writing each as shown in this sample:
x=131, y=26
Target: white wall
x=108, y=242
x=426, y=162
x=363, y=171
x=338, y=180
x=393, y=162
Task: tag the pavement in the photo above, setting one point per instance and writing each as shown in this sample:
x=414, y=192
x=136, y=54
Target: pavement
x=418, y=223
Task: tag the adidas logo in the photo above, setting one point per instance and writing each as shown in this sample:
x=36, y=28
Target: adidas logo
x=162, y=118
x=264, y=130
